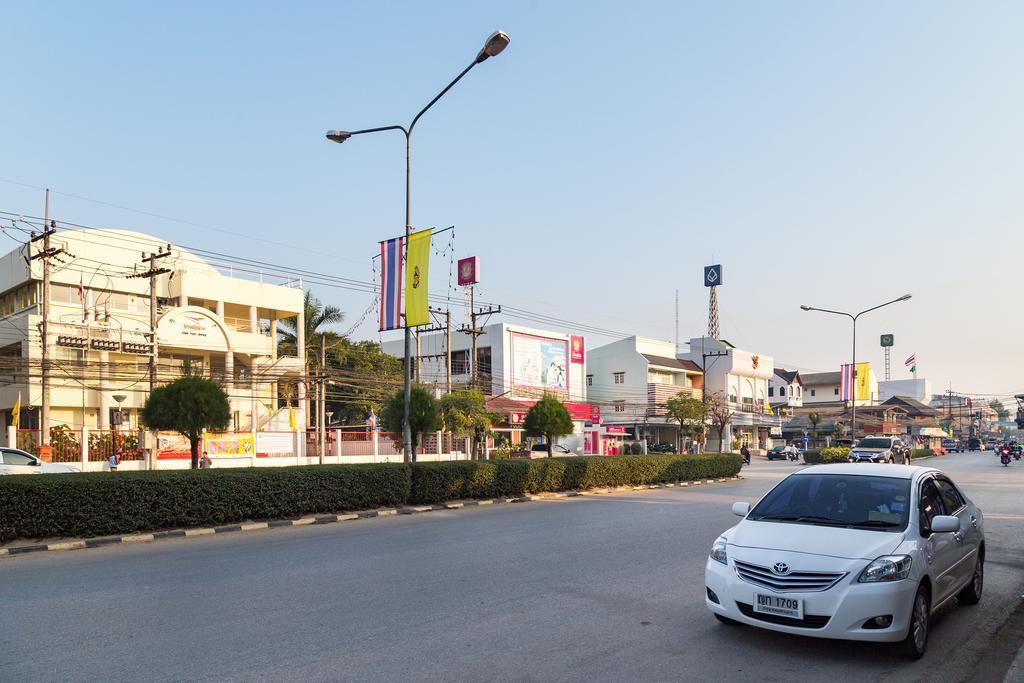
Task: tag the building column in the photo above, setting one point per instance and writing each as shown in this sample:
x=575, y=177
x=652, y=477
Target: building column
x=229, y=380
x=273, y=339
x=254, y=320
x=103, y=417
x=182, y=291
x=219, y=309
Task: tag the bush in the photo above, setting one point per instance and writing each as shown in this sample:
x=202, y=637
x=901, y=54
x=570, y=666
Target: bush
x=441, y=481
x=921, y=453
x=636, y=448
x=102, y=503
x=825, y=456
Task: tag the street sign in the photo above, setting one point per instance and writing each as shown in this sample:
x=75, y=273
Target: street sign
x=712, y=275
x=887, y=340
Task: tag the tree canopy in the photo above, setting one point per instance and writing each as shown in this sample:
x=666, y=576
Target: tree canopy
x=688, y=411
x=424, y=414
x=465, y=413
x=548, y=418
x=317, y=315
x=720, y=416
x=188, y=405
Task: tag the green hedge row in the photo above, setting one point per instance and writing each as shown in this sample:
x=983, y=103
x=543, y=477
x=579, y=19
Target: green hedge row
x=103, y=503
x=921, y=453
x=818, y=456
x=441, y=481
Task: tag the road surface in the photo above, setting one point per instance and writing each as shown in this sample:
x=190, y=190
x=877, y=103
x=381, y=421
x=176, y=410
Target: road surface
x=601, y=588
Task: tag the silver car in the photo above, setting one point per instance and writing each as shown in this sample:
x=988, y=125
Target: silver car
x=857, y=552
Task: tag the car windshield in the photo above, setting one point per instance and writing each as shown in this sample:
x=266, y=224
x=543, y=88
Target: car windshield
x=873, y=443
x=841, y=500
x=778, y=448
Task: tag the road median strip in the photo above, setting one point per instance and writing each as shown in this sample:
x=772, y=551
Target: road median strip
x=132, y=539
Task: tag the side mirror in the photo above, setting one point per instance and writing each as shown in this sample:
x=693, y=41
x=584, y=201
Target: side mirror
x=944, y=524
x=741, y=509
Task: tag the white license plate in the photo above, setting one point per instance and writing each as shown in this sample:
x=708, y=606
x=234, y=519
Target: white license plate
x=778, y=605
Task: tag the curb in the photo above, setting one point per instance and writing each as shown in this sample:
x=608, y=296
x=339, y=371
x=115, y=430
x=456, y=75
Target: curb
x=129, y=539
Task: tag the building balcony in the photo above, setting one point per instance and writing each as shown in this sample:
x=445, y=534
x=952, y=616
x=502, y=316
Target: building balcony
x=658, y=394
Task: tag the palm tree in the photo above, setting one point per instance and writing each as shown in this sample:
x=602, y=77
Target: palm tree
x=317, y=315
x=815, y=419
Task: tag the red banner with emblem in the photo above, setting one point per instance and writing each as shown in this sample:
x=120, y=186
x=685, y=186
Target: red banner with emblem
x=576, y=349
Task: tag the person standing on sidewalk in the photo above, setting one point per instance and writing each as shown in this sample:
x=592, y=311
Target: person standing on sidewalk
x=113, y=461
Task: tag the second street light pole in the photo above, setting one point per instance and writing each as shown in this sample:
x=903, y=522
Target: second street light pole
x=494, y=45
x=853, y=360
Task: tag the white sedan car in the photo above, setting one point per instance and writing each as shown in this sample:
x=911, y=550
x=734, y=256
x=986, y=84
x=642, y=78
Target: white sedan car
x=858, y=552
x=15, y=461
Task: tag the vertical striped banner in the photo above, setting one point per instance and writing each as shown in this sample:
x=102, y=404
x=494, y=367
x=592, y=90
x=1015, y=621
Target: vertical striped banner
x=845, y=382
x=391, y=283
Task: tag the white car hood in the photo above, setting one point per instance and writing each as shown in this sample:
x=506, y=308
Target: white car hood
x=809, y=539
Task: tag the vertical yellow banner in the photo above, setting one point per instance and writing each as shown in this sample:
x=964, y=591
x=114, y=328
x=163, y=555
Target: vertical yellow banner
x=863, y=385
x=417, y=263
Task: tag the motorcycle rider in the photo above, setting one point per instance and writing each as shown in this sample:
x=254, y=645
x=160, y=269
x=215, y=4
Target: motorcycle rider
x=745, y=452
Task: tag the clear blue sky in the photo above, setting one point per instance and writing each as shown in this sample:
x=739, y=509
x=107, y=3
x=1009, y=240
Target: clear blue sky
x=837, y=154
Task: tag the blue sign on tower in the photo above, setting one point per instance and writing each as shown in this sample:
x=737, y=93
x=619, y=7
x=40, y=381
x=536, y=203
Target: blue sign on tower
x=712, y=275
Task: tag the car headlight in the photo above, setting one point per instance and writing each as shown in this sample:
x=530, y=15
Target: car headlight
x=886, y=568
x=718, y=553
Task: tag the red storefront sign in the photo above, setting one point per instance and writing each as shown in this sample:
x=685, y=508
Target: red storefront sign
x=576, y=349
x=615, y=430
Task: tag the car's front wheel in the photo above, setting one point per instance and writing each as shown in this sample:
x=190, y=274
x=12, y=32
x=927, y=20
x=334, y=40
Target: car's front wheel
x=916, y=641
x=971, y=594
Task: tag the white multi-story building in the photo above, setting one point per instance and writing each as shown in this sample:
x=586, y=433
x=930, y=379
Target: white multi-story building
x=515, y=366
x=917, y=389
x=824, y=387
x=631, y=379
x=99, y=337
x=785, y=389
x=740, y=378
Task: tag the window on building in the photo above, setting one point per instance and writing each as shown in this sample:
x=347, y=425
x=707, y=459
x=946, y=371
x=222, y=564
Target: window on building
x=619, y=377
x=812, y=392
x=590, y=380
x=460, y=362
x=771, y=391
x=620, y=406
x=659, y=377
x=18, y=299
x=835, y=391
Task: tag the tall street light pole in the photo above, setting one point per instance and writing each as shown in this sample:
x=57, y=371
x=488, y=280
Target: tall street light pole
x=853, y=360
x=494, y=46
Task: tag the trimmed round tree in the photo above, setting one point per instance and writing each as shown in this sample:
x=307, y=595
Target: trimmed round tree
x=548, y=418
x=188, y=405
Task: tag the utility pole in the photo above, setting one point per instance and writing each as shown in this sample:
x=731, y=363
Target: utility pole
x=152, y=272
x=437, y=327
x=322, y=398
x=46, y=253
x=475, y=331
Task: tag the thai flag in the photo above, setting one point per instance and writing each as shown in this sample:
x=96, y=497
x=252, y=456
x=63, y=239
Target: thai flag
x=391, y=283
x=846, y=382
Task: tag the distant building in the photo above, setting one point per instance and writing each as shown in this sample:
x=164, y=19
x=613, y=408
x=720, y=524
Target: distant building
x=631, y=379
x=741, y=379
x=917, y=389
x=785, y=389
x=823, y=387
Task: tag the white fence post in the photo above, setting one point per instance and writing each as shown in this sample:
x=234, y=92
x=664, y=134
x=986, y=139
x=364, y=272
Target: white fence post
x=440, y=446
x=83, y=446
x=12, y=437
x=376, y=445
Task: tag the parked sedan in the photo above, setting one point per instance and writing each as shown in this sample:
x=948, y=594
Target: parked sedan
x=858, y=552
x=14, y=461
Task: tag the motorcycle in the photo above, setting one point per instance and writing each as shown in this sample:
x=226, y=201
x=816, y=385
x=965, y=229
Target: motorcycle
x=1004, y=456
x=794, y=455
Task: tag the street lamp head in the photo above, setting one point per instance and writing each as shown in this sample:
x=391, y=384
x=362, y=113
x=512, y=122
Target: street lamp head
x=338, y=136
x=905, y=297
x=494, y=46
x=805, y=308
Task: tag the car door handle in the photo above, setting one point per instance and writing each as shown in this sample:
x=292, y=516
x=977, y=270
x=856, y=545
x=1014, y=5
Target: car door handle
x=959, y=537
x=974, y=521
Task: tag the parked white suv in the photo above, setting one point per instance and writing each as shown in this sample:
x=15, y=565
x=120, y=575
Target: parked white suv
x=15, y=461
x=858, y=552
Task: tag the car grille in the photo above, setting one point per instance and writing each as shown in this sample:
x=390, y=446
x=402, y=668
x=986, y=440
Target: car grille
x=809, y=620
x=791, y=582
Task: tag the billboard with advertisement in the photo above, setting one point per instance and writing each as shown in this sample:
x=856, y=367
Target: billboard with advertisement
x=540, y=363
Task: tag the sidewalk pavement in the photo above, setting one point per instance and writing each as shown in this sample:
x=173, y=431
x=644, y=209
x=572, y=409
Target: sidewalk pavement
x=1016, y=672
